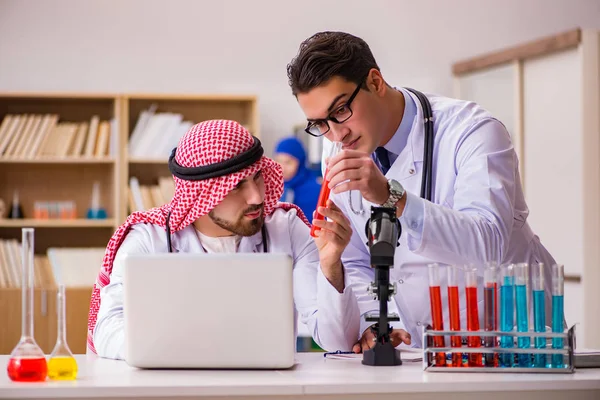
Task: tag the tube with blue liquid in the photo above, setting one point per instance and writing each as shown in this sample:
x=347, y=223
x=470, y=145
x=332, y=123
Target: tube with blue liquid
x=521, y=290
x=507, y=309
x=539, y=312
x=558, y=306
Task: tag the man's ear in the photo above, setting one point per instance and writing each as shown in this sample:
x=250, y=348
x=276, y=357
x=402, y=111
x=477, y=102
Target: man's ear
x=375, y=82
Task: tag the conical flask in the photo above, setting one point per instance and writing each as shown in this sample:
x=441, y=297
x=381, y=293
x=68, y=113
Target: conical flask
x=62, y=364
x=27, y=362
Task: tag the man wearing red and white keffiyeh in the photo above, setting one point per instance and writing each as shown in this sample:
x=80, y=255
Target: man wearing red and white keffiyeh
x=226, y=191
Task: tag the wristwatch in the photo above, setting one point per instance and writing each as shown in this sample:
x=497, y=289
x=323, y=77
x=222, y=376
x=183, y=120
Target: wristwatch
x=396, y=193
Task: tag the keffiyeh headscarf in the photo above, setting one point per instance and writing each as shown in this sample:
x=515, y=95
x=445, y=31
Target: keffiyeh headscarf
x=209, y=161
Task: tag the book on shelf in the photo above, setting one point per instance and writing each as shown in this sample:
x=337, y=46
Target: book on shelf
x=11, y=268
x=156, y=134
x=144, y=197
x=31, y=136
x=75, y=267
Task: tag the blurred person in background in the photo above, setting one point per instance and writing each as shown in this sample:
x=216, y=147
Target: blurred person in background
x=301, y=185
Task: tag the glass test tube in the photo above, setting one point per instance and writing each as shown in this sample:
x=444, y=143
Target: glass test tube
x=522, y=311
x=539, y=312
x=324, y=193
x=454, y=311
x=558, y=304
x=507, y=309
x=435, y=298
x=475, y=359
x=490, y=308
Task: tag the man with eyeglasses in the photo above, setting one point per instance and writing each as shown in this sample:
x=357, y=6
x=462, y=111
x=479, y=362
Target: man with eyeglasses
x=477, y=213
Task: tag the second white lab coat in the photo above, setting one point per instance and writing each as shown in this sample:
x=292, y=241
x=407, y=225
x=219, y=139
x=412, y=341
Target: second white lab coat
x=477, y=214
x=331, y=317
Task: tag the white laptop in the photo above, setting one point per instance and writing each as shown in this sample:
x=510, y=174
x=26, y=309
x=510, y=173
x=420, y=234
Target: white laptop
x=214, y=311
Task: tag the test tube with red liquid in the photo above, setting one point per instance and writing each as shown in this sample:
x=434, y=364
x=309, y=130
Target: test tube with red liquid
x=475, y=359
x=490, y=310
x=324, y=194
x=27, y=361
x=437, y=320
x=454, y=309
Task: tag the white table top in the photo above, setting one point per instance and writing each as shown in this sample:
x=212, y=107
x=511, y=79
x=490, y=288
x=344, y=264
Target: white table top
x=312, y=375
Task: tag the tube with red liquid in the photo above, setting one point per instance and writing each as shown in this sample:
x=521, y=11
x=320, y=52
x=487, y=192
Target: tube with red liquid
x=454, y=309
x=324, y=193
x=475, y=359
x=490, y=308
x=435, y=298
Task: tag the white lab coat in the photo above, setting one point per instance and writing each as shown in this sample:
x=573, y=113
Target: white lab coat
x=332, y=317
x=477, y=214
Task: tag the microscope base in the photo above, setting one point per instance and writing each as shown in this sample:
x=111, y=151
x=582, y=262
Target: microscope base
x=382, y=355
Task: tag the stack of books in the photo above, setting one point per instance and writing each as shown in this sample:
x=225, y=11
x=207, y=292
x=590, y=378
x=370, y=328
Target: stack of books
x=34, y=136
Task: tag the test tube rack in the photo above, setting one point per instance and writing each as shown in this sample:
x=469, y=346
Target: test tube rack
x=568, y=348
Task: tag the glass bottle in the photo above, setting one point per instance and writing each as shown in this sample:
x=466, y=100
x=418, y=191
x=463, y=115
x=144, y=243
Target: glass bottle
x=62, y=364
x=27, y=362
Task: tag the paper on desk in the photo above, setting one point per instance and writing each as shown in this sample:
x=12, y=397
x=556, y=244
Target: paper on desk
x=406, y=354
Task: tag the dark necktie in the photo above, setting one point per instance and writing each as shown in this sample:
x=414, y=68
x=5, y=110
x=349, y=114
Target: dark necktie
x=384, y=159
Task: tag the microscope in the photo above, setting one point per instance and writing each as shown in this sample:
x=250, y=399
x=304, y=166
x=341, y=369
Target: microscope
x=383, y=231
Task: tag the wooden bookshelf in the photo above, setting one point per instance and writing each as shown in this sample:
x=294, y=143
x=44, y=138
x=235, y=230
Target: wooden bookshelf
x=57, y=223
x=148, y=161
x=147, y=167
x=54, y=160
x=70, y=177
x=62, y=174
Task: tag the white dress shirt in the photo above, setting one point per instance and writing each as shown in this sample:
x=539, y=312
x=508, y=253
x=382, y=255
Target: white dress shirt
x=332, y=317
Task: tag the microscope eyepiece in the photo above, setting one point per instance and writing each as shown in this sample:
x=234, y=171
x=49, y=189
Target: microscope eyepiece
x=383, y=231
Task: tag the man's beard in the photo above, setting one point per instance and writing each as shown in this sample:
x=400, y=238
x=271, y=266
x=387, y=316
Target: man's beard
x=241, y=226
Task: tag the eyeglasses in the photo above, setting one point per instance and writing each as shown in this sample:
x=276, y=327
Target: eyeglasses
x=341, y=114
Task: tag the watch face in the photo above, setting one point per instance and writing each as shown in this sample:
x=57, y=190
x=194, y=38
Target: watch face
x=396, y=187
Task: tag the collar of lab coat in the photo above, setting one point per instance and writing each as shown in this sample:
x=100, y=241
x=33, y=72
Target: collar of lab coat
x=417, y=132
x=187, y=241
x=412, y=153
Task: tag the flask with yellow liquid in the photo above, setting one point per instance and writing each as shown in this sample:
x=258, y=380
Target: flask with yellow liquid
x=62, y=364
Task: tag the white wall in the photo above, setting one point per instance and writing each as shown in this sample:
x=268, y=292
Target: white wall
x=244, y=46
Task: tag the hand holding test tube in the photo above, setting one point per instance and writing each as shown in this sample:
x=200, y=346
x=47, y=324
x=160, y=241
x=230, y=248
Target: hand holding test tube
x=324, y=194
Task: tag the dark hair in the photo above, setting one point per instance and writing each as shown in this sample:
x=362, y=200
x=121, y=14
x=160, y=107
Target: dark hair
x=328, y=54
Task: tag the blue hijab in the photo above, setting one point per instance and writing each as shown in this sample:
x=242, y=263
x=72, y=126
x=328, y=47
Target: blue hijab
x=304, y=184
